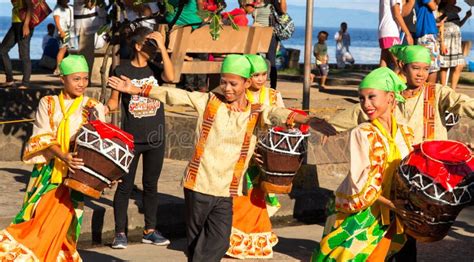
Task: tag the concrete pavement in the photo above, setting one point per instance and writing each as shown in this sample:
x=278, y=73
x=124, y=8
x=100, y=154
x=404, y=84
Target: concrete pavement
x=296, y=243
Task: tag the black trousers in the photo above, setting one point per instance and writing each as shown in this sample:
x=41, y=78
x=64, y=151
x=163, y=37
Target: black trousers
x=271, y=56
x=14, y=36
x=153, y=155
x=208, y=226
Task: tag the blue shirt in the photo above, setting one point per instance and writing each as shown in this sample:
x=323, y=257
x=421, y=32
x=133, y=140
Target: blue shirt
x=425, y=20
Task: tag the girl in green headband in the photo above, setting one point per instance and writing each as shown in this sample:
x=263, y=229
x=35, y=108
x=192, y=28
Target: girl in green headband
x=376, y=149
x=48, y=225
x=226, y=138
x=258, y=92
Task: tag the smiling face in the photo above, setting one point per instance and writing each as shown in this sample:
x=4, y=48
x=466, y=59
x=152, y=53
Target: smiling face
x=376, y=103
x=258, y=80
x=416, y=73
x=75, y=84
x=233, y=86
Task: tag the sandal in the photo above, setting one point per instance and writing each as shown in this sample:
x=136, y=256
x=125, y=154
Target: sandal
x=8, y=84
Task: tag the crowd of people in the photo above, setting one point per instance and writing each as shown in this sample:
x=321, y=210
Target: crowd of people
x=226, y=212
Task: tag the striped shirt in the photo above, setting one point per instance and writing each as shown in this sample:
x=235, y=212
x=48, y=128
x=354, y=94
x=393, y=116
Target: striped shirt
x=262, y=14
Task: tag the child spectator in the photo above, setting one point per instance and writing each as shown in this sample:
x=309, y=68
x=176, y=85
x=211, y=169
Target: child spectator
x=144, y=118
x=320, y=52
x=63, y=15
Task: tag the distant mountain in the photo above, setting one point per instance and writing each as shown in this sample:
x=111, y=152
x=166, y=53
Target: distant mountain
x=332, y=17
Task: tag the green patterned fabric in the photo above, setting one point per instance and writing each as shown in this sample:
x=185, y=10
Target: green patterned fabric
x=354, y=239
x=38, y=186
x=252, y=177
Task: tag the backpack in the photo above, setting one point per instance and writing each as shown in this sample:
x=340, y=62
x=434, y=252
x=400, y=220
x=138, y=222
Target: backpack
x=40, y=10
x=283, y=25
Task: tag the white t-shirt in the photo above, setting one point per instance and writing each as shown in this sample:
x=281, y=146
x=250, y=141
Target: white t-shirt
x=387, y=25
x=66, y=19
x=94, y=20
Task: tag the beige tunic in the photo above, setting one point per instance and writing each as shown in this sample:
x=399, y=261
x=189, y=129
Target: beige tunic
x=47, y=119
x=410, y=113
x=225, y=137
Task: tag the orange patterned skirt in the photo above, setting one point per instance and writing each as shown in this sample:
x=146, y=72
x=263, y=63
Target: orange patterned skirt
x=252, y=235
x=45, y=236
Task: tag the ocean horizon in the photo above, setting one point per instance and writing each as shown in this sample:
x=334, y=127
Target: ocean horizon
x=364, y=42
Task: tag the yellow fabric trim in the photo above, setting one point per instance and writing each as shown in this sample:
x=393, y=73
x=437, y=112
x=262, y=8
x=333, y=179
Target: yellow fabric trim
x=38, y=144
x=261, y=96
x=60, y=168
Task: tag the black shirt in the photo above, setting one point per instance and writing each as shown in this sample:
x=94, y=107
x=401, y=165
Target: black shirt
x=142, y=117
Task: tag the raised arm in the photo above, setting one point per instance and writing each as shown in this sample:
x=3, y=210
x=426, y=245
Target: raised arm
x=168, y=69
x=167, y=95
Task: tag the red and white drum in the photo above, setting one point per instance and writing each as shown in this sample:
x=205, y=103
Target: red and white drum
x=436, y=181
x=282, y=152
x=107, y=152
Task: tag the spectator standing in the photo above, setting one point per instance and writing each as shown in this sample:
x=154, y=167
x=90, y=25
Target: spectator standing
x=390, y=23
x=343, y=41
x=144, y=118
x=87, y=21
x=263, y=16
x=63, y=15
x=20, y=33
x=451, y=48
x=320, y=52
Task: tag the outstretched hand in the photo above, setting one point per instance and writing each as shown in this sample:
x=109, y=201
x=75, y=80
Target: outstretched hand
x=322, y=126
x=123, y=84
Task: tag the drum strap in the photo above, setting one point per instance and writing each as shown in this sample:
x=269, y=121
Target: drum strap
x=63, y=137
x=429, y=112
x=240, y=166
x=208, y=120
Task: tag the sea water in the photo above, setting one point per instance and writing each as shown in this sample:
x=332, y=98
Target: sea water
x=364, y=42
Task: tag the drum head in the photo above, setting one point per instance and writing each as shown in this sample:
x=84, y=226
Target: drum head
x=448, y=152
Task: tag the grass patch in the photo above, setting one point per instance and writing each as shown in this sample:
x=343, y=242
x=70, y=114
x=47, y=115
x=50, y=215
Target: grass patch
x=291, y=71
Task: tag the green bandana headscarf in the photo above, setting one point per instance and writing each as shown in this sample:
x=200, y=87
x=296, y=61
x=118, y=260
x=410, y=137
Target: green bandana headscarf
x=73, y=64
x=258, y=63
x=237, y=65
x=384, y=79
x=411, y=53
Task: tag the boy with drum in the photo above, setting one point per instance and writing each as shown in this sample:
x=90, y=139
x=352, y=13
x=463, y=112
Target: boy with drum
x=49, y=223
x=225, y=143
x=361, y=224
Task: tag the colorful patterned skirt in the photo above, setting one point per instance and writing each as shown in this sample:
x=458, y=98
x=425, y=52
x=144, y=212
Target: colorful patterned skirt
x=453, y=42
x=48, y=225
x=357, y=237
x=252, y=235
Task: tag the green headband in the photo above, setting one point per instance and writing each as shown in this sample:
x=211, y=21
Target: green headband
x=411, y=53
x=237, y=65
x=258, y=63
x=384, y=79
x=73, y=64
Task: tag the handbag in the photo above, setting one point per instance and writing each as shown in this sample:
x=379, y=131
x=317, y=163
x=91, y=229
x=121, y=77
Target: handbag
x=40, y=11
x=283, y=25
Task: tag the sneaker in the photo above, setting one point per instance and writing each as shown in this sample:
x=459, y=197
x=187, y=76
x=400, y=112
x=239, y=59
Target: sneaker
x=155, y=238
x=120, y=241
